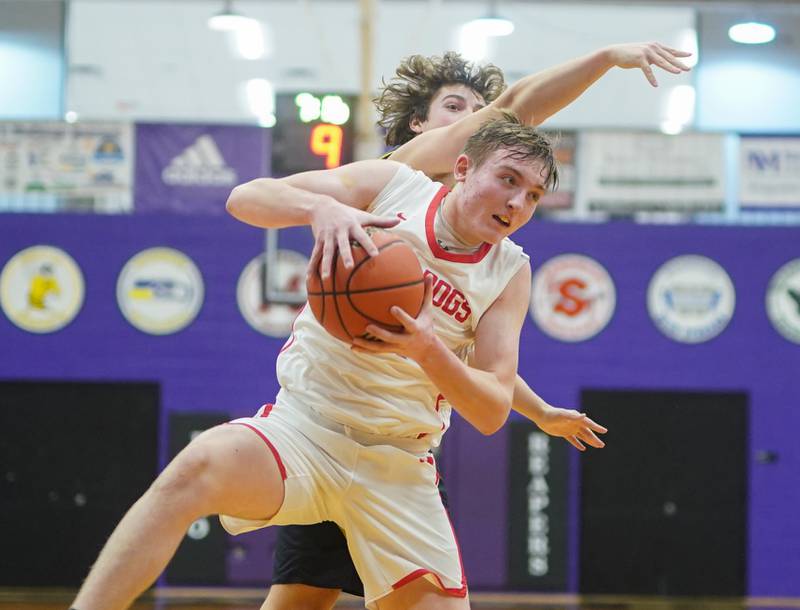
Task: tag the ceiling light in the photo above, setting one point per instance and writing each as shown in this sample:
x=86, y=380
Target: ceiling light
x=491, y=25
x=260, y=97
x=228, y=20
x=751, y=33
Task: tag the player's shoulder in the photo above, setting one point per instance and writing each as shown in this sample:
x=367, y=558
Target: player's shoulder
x=508, y=245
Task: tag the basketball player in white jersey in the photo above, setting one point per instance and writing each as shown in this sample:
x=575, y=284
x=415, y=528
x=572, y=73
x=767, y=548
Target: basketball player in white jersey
x=349, y=437
x=428, y=110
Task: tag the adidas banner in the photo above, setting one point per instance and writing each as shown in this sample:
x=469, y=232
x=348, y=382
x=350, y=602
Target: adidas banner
x=192, y=168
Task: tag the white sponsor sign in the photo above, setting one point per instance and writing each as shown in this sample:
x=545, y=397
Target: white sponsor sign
x=572, y=298
x=52, y=166
x=645, y=172
x=691, y=299
x=41, y=289
x=564, y=196
x=769, y=172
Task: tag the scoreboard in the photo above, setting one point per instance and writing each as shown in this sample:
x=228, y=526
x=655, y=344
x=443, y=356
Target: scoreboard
x=312, y=131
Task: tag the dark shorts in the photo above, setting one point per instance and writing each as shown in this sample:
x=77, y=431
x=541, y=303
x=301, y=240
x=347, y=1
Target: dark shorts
x=317, y=555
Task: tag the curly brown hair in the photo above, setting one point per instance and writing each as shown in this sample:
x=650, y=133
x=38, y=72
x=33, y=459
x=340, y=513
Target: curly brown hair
x=407, y=96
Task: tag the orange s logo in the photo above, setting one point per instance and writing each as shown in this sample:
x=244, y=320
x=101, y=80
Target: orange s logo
x=572, y=303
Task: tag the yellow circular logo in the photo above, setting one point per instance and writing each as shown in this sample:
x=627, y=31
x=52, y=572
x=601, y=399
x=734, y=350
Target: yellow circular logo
x=41, y=289
x=160, y=291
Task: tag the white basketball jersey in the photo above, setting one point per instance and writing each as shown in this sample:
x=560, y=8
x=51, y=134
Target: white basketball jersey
x=387, y=394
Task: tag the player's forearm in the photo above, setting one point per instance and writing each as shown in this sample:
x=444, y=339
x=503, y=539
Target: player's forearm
x=527, y=402
x=477, y=395
x=539, y=96
x=274, y=204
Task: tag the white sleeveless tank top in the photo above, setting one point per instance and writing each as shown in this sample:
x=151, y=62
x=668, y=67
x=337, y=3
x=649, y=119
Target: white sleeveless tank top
x=387, y=394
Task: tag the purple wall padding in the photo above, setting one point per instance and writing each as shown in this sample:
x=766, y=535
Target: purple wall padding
x=220, y=363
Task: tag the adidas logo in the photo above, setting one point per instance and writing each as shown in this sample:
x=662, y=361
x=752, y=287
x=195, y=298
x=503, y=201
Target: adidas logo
x=201, y=164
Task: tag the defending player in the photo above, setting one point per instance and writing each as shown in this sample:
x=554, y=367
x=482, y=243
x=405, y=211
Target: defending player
x=312, y=563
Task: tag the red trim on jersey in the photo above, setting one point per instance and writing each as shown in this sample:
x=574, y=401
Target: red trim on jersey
x=291, y=338
x=274, y=451
x=438, y=251
x=266, y=410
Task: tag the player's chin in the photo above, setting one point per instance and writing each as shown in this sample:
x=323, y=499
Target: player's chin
x=497, y=235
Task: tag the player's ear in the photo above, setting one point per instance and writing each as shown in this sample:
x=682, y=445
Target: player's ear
x=415, y=125
x=463, y=163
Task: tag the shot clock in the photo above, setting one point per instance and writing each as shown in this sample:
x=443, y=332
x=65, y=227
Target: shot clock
x=312, y=131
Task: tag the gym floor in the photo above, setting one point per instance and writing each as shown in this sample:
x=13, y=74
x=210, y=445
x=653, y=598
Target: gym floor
x=250, y=599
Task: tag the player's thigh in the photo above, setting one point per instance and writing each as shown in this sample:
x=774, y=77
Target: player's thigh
x=227, y=469
x=421, y=594
x=300, y=597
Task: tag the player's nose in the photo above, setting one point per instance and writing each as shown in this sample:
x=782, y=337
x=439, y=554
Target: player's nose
x=516, y=201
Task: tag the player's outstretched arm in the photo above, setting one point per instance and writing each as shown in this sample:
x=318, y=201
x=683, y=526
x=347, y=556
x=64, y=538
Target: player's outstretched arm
x=575, y=427
x=482, y=392
x=535, y=98
x=332, y=202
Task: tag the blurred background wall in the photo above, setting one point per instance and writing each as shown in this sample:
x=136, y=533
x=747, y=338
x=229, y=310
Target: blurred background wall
x=666, y=297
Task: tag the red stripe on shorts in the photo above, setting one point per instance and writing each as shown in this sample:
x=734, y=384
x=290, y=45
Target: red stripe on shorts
x=274, y=451
x=462, y=592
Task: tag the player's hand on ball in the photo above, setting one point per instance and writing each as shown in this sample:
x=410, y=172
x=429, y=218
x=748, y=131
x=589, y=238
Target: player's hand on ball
x=334, y=226
x=644, y=54
x=416, y=339
x=575, y=427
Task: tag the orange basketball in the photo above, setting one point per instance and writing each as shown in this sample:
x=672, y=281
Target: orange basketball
x=350, y=299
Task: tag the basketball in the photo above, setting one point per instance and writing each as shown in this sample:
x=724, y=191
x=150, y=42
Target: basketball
x=350, y=299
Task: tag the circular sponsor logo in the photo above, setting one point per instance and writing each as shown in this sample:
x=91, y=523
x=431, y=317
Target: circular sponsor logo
x=691, y=299
x=41, y=289
x=160, y=291
x=272, y=319
x=783, y=300
x=199, y=529
x=572, y=298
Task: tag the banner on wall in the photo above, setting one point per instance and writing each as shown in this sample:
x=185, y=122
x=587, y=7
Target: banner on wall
x=191, y=169
x=769, y=172
x=691, y=298
x=624, y=173
x=62, y=166
x=41, y=289
x=564, y=197
x=573, y=297
x=537, y=510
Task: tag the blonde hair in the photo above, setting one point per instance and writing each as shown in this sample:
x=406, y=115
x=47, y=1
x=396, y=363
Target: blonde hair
x=522, y=142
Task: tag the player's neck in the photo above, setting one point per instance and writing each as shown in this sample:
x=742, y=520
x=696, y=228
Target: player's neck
x=446, y=235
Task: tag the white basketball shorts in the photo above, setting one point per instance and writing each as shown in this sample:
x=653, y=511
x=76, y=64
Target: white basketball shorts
x=384, y=498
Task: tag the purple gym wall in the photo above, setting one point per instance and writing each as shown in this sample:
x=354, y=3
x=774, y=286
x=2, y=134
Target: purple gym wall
x=219, y=363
